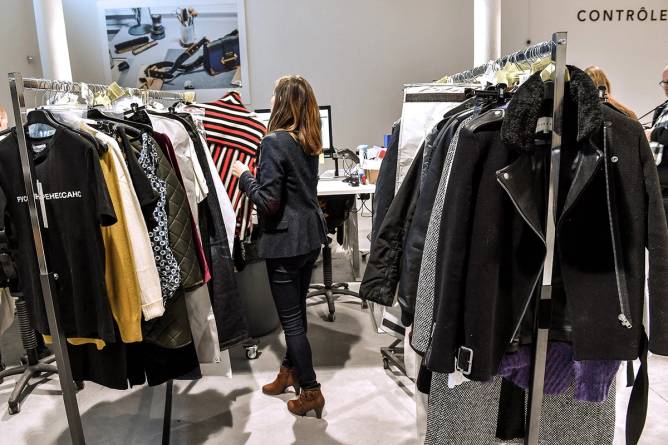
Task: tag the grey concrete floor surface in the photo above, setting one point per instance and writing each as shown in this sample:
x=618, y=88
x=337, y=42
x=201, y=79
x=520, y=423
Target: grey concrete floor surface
x=366, y=405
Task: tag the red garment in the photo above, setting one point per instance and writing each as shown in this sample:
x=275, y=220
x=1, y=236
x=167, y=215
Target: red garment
x=233, y=133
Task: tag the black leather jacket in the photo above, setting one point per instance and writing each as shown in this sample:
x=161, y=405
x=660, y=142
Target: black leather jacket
x=493, y=243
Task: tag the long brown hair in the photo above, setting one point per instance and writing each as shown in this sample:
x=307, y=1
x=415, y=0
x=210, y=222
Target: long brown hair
x=296, y=111
x=601, y=80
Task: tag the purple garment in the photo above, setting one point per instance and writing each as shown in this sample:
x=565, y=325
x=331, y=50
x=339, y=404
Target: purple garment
x=591, y=378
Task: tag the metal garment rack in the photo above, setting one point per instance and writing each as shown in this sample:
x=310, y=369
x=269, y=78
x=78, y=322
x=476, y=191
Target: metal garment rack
x=556, y=49
x=17, y=86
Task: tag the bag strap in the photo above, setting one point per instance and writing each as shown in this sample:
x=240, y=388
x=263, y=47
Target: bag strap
x=166, y=70
x=636, y=413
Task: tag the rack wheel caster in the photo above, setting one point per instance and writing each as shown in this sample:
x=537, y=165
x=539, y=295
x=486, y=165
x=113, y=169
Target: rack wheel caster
x=80, y=385
x=386, y=364
x=14, y=408
x=331, y=317
x=251, y=352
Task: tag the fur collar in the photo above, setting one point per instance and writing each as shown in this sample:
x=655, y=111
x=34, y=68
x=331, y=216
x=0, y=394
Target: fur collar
x=523, y=110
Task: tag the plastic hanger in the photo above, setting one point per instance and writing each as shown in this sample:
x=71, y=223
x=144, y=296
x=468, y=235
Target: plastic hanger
x=95, y=113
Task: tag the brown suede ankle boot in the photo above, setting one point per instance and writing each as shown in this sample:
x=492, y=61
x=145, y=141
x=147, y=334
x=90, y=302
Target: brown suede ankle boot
x=310, y=399
x=286, y=377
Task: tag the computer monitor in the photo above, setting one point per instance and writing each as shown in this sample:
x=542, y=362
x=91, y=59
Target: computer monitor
x=263, y=115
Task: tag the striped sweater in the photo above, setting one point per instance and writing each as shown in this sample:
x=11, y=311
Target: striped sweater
x=233, y=133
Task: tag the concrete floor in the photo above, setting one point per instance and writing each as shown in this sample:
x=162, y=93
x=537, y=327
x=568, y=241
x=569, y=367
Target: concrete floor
x=365, y=404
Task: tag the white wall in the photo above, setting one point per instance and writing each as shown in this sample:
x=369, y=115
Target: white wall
x=632, y=53
x=19, y=40
x=357, y=54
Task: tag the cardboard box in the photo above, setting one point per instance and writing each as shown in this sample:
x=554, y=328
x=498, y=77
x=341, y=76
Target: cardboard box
x=371, y=176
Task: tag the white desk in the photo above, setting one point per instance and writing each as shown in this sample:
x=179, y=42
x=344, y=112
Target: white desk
x=336, y=187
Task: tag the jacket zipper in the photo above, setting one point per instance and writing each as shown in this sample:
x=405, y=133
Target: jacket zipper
x=535, y=283
x=624, y=316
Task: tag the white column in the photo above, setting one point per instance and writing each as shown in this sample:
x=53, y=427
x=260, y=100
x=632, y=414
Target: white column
x=487, y=31
x=52, y=39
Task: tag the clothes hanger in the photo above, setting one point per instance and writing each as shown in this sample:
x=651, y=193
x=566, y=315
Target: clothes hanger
x=96, y=113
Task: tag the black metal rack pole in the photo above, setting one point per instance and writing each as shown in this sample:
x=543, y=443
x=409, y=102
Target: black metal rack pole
x=543, y=302
x=52, y=311
x=167, y=417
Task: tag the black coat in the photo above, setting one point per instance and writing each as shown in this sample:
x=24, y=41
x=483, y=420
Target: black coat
x=437, y=142
x=387, y=180
x=384, y=266
x=382, y=272
x=492, y=244
x=285, y=194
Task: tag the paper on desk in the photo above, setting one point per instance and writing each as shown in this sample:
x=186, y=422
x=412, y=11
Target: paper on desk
x=371, y=164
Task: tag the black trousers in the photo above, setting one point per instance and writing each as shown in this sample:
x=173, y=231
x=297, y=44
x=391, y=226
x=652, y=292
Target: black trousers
x=289, y=279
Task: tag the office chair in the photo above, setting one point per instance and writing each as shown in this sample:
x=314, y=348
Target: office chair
x=336, y=210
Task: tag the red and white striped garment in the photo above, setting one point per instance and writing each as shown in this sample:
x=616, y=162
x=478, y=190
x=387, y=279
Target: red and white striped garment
x=233, y=133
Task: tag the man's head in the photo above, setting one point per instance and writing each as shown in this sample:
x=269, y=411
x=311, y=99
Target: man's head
x=664, y=80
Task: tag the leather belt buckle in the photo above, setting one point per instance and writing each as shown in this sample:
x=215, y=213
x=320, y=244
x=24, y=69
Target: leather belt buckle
x=464, y=360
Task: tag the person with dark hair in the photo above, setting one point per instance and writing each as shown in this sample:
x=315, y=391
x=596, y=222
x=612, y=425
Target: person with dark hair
x=293, y=227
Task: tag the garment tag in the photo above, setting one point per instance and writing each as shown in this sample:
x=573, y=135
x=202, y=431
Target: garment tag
x=544, y=125
x=42, y=205
x=38, y=148
x=189, y=96
x=321, y=159
x=114, y=91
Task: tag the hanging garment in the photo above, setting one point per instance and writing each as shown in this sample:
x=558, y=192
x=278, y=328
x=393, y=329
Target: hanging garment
x=424, y=308
x=120, y=271
x=468, y=415
x=439, y=144
x=7, y=309
x=190, y=170
x=382, y=271
x=385, y=182
x=168, y=150
x=194, y=116
x=500, y=152
x=200, y=313
x=7, y=305
x=228, y=306
x=165, y=259
x=233, y=134
x=418, y=117
x=140, y=243
x=76, y=205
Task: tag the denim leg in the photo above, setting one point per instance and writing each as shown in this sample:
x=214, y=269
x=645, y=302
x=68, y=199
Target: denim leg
x=285, y=277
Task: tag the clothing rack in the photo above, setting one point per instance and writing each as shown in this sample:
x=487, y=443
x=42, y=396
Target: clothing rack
x=531, y=53
x=78, y=87
x=556, y=49
x=17, y=86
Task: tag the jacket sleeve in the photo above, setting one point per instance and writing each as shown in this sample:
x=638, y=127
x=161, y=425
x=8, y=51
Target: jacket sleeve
x=266, y=191
x=657, y=245
x=383, y=267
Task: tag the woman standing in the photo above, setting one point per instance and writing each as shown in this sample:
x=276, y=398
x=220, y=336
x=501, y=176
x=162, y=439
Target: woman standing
x=293, y=227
